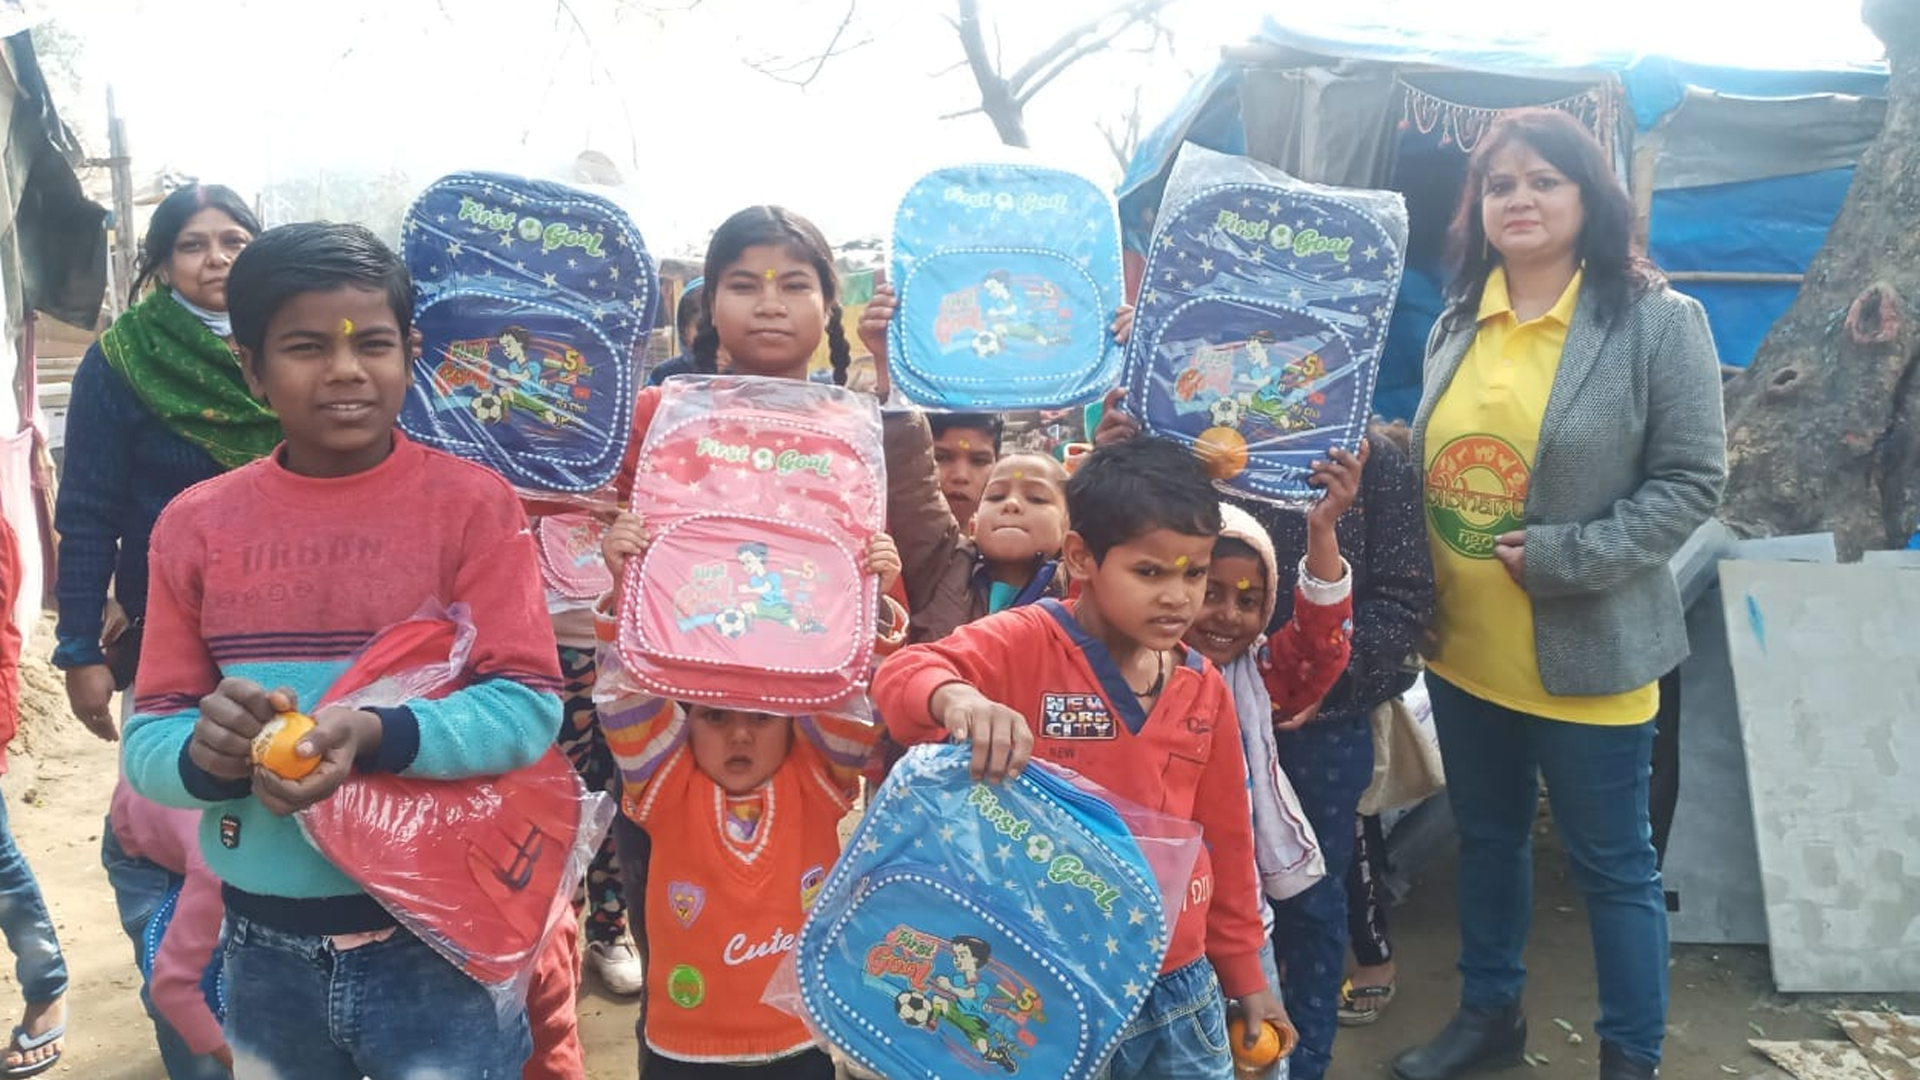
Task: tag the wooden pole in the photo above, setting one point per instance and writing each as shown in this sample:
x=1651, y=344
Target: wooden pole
x=1646, y=156
x=124, y=235
x=1735, y=277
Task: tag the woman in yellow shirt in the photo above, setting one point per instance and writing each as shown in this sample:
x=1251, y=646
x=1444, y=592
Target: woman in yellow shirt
x=1571, y=437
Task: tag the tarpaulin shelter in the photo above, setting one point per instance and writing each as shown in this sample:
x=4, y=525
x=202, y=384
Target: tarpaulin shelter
x=53, y=258
x=1737, y=173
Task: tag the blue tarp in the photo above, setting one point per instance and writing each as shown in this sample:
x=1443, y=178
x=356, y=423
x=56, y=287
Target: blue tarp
x=1208, y=114
x=1768, y=226
x=1774, y=224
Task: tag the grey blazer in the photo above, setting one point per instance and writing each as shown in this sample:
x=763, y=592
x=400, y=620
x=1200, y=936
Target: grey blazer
x=1632, y=458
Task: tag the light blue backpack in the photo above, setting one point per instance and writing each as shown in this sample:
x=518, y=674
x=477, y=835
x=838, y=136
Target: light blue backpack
x=1008, y=277
x=982, y=928
x=1262, y=314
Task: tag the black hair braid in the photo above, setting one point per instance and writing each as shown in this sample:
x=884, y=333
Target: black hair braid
x=839, y=354
x=706, y=348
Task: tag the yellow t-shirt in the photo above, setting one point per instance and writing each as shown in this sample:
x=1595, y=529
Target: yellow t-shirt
x=1480, y=445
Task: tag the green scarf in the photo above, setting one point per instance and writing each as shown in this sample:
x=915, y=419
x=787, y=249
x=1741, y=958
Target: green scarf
x=189, y=380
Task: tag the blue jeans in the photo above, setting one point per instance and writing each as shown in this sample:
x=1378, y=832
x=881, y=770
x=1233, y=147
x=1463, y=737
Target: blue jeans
x=37, y=963
x=1597, y=785
x=1181, y=1031
x=1330, y=763
x=300, y=1009
x=138, y=887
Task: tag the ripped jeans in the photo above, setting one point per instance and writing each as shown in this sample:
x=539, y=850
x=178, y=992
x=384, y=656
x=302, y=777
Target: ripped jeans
x=298, y=1008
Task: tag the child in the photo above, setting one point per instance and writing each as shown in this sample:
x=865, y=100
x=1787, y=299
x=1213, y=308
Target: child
x=1007, y=557
x=769, y=295
x=686, y=323
x=1238, y=607
x=965, y=447
x=744, y=816
x=38, y=964
x=270, y=576
x=1328, y=749
x=1144, y=523
x=151, y=851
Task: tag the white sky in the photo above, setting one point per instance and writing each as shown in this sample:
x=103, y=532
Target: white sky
x=244, y=91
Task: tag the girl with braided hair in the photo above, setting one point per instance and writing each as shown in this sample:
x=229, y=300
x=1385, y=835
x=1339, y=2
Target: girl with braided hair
x=771, y=293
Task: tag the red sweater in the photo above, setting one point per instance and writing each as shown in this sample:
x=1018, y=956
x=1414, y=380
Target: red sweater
x=267, y=575
x=1182, y=759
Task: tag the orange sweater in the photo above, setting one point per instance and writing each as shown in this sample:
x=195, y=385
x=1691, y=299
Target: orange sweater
x=720, y=917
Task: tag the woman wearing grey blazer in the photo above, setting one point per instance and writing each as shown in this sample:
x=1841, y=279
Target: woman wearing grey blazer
x=1571, y=438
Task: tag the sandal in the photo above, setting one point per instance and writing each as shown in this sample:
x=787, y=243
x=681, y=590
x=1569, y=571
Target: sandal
x=1351, y=1014
x=23, y=1042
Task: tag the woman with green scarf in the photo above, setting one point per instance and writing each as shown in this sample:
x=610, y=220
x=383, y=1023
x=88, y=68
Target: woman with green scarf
x=159, y=404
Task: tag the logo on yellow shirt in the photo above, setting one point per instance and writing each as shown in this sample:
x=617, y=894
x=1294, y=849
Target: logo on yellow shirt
x=1476, y=490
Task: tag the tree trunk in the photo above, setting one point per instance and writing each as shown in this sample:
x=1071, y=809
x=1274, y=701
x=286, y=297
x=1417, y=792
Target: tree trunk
x=1008, y=115
x=1823, y=430
x=997, y=97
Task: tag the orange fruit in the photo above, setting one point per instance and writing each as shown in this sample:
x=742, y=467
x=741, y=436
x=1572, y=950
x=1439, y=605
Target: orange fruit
x=1273, y=1044
x=1224, y=450
x=273, y=747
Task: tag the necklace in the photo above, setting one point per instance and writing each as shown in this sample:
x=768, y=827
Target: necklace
x=1159, y=680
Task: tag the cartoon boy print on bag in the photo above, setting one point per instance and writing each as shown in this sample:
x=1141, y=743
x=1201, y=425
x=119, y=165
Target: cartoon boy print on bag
x=981, y=1008
x=733, y=600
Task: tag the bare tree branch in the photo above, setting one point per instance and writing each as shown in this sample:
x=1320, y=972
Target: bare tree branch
x=1066, y=60
x=1128, y=12
x=962, y=112
x=633, y=137
x=1122, y=140
x=819, y=62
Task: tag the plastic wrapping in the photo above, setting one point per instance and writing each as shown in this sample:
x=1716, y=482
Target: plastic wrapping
x=532, y=299
x=1008, y=278
x=570, y=560
x=1262, y=313
x=480, y=869
x=976, y=928
x=759, y=497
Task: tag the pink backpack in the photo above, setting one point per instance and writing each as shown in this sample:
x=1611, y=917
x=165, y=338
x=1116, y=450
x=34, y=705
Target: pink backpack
x=570, y=559
x=759, y=497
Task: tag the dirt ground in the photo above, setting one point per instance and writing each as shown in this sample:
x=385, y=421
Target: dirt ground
x=61, y=779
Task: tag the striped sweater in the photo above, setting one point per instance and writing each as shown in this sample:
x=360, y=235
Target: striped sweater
x=265, y=575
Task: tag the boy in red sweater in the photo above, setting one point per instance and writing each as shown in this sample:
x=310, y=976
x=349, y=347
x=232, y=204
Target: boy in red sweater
x=265, y=580
x=1104, y=686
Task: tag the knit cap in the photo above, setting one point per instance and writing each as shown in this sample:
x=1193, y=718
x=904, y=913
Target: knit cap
x=1240, y=525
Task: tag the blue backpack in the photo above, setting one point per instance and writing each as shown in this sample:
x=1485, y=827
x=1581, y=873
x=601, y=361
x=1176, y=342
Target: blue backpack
x=976, y=927
x=1262, y=313
x=1008, y=276
x=532, y=298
